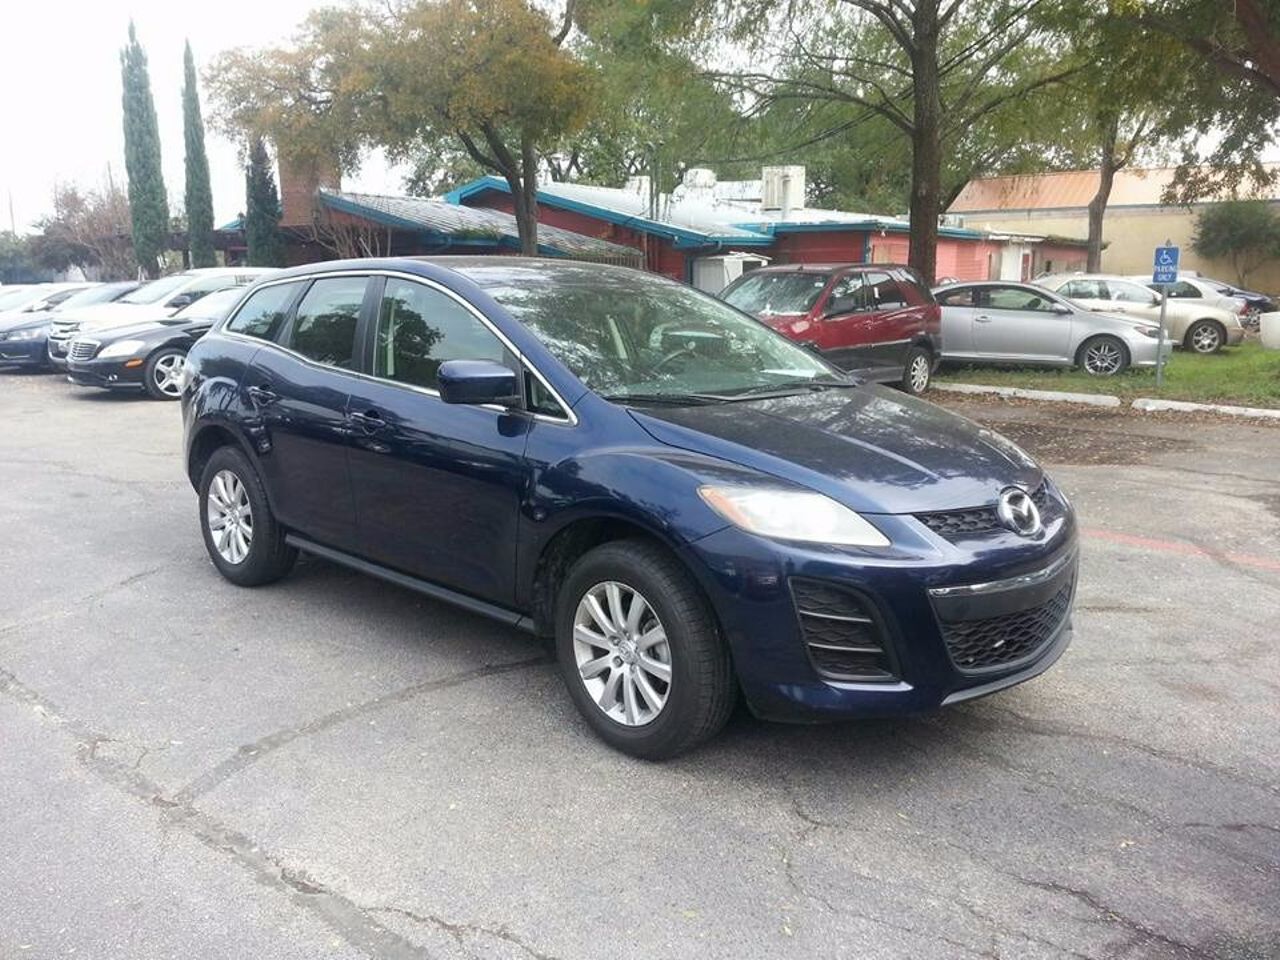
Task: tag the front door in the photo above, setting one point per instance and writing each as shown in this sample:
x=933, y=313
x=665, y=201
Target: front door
x=299, y=397
x=438, y=486
x=1013, y=322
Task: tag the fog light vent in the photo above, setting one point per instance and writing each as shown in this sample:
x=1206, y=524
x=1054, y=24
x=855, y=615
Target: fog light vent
x=843, y=637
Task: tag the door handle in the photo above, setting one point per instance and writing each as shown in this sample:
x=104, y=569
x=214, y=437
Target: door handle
x=370, y=421
x=982, y=318
x=262, y=395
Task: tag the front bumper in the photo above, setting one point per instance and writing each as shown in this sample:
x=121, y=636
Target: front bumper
x=23, y=353
x=56, y=352
x=942, y=644
x=111, y=374
x=1144, y=351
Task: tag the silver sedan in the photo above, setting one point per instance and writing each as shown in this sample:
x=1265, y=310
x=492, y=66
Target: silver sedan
x=1004, y=322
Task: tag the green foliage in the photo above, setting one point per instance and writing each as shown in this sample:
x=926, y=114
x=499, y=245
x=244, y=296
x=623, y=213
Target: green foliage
x=89, y=229
x=199, y=196
x=262, y=209
x=17, y=261
x=147, y=200
x=1244, y=232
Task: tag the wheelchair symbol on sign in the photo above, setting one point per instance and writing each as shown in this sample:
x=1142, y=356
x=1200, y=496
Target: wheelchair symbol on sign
x=1166, y=258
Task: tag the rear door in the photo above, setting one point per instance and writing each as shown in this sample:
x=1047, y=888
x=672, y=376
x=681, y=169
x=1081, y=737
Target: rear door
x=868, y=335
x=958, y=308
x=438, y=486
x=297, y=389
x=1012, y=322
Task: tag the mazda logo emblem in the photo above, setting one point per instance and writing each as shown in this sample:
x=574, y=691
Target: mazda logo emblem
x=1019, y=512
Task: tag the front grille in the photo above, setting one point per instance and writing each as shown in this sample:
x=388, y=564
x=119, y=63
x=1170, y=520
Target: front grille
x=841, y=632
x=976, y=645
x=83, y=349
x=961, y=524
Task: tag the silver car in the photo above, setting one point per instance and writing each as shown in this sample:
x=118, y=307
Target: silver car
x=1005, y=322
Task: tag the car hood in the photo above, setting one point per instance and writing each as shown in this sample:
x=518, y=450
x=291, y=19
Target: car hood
x=872, y=448
x=135, y=328
x=115, y=314
x=20, y=321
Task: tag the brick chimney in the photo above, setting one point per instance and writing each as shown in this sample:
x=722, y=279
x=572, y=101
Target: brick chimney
x=300, y=178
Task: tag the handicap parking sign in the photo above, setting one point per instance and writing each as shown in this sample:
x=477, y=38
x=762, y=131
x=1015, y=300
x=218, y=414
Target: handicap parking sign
x=1165, y=269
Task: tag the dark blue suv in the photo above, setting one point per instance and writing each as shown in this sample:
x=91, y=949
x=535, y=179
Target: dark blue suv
x=687, y=502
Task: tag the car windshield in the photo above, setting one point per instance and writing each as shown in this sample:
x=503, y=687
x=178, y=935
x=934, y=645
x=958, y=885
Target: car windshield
x=630, y=334
x=100, y=293
x=213, y=306
x=768, y=293
x=14, y=298
x=156, y=290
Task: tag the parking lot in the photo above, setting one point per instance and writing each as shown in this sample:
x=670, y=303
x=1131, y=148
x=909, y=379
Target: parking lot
x=333, y=767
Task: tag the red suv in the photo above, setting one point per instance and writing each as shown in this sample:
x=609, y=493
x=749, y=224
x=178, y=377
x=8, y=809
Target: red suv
x=879, y=320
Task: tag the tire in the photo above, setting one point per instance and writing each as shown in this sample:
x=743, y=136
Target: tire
x=1103, y=356
x=162, y=374
x=917, y=371
x=229, y=478
x=701, y=691
x=1205, y=336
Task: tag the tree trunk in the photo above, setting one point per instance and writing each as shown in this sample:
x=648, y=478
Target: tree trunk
x=1107, y=166
x=926, y=143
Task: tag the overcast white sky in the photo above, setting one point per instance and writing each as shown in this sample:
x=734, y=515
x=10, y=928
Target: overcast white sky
x=60, y=93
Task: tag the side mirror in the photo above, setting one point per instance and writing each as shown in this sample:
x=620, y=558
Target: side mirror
x=478, y=382
x=181, y=300
x=1061, y=308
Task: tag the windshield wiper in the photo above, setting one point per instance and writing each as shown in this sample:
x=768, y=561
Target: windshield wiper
x=791, y=388
x=666, y=399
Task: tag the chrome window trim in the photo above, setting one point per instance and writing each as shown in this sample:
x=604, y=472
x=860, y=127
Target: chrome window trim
x=570, y=418
x=1012, y=583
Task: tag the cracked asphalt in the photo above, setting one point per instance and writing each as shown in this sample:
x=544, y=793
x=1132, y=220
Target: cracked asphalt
x=332, y=767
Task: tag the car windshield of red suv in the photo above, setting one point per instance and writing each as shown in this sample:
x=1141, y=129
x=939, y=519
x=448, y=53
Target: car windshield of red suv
x=767, y=294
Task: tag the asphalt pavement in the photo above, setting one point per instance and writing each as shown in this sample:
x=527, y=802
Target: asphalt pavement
x=333, y=767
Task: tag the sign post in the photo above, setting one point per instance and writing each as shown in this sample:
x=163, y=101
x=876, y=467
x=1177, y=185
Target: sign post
x=1164, y=271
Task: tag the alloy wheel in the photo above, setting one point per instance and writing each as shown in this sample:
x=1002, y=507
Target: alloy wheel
x=167, y=374
x=622, y=653
x=1102, y=359
x=1206, y=339
x=230, y=517
x=919, y=373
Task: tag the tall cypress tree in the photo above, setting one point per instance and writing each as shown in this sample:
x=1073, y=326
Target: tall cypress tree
x=147, y=201
x=262, y=209
x=199, y=196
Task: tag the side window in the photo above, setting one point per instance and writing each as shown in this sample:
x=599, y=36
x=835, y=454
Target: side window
x=263, y=313
x=884, y=292
x=419, y=328
x=1183, y=290
x=324, y=328
x=848, y=295
x=1015, y=298
x=1085, y=290
x=541, y=400
x=1130, y=292
x=957, y=298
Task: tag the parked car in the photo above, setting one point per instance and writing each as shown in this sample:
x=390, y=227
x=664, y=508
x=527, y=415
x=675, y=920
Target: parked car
x=24, y=336
x=1197, y=327
x=1196, y=290
x=1006, y=322
x=147, y=356
x=162, y=297
x=690, y=504
x=879, y=320
x=1257, y=302
x=33, y=297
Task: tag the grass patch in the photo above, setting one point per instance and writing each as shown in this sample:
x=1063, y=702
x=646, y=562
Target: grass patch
x=1246, y=375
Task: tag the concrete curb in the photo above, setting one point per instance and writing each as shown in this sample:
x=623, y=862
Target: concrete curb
x=1182, y=406
x=1059, y=396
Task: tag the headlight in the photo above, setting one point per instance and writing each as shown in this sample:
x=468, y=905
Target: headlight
x=34, y=333
x=1152, y=332
x=792, y=515
x=121, y=348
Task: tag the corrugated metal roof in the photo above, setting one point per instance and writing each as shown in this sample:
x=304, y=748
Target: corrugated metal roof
x=1067, y=190
x=449, y=220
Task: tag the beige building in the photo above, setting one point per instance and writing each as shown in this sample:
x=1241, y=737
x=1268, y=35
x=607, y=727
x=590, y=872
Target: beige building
x=1057, y=204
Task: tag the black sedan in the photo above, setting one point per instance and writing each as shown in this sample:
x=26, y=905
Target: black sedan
x=149, y=355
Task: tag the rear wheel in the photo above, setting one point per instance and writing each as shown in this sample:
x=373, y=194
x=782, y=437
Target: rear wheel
x=917, y=371
x=1103, y=356
x=162, y=374
x=243, y=539
x=640, y=653
x=1205, y=336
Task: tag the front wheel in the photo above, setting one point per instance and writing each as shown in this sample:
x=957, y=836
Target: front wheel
x=1103, y=357
x=917, y=371
x=243, y=539
x=1205, y=336
x=640, y=653
x=162, y=374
